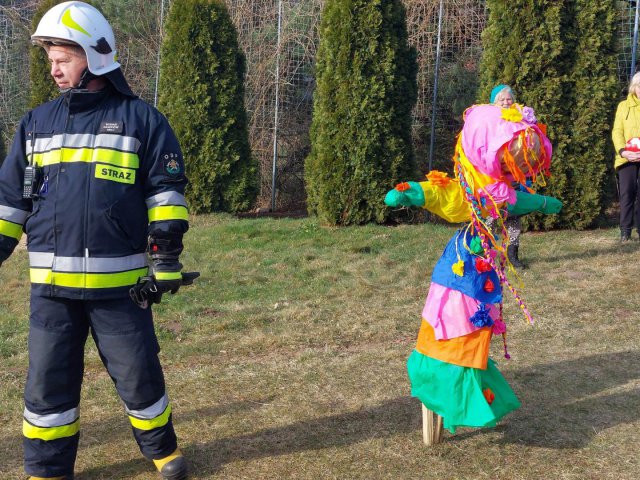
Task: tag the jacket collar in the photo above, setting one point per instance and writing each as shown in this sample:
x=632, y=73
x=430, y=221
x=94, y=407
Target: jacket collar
x=81, y=100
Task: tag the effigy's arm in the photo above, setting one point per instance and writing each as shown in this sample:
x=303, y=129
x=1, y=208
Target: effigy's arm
x=532, y=202
x=443, y=197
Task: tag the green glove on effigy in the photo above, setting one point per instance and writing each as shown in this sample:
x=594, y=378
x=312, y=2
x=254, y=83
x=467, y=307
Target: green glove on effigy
x=532, y=202
x=406, y=194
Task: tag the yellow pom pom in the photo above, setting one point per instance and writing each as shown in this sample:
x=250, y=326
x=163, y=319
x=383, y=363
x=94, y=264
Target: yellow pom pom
x=511, y=115
x=458, y=268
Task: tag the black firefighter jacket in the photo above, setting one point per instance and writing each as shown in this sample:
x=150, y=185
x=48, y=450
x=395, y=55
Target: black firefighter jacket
x=112, y=170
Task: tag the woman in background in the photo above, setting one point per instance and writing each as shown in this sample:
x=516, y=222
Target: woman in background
x=626, y=140
x=502, y=96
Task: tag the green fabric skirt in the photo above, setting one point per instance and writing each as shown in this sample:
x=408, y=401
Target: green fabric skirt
x=456, y=393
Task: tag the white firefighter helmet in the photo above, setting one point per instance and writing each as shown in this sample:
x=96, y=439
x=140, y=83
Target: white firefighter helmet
x=81, y=24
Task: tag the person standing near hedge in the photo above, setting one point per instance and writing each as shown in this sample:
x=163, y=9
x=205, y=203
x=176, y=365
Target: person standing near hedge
x=626, y=128
x=502, y=96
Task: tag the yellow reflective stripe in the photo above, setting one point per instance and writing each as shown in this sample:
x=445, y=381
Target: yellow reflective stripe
x=168, y=275
x=160, y=421
x=50, y=433
x=71, y=23
x=40, y=275
x=86, y=280
x=169, y=212
x=115, y=174
x=10, y=229
x=88, y=155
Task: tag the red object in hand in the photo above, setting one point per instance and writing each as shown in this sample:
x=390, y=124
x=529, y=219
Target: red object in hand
x=488, y=286
x=633, y=144
x=482, y=265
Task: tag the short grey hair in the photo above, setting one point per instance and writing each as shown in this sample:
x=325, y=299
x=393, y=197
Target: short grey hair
x=74, y=47
x=635, y=82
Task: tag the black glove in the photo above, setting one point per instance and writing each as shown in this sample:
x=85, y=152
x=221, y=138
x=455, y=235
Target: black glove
x=145, y=292
x=149, y=290
x=168, y=280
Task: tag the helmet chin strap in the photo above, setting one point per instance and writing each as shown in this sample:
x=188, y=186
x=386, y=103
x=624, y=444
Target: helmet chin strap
x=85, y=78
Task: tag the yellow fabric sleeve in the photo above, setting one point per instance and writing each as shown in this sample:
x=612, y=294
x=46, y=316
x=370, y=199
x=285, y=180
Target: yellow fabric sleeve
x=446, y=201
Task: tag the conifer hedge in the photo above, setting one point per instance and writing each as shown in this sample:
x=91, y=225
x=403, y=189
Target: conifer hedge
x=202, y=95
x=559, y=57
x=361, y=128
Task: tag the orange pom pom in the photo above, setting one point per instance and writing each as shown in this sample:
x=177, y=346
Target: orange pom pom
x=489, y=396
x=439, y=179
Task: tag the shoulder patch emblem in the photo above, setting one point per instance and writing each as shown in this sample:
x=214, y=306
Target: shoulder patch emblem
x=171, y=163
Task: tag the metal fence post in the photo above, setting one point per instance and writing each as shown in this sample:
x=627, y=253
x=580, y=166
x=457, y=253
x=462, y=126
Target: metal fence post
x=275, y=116
x=435, y=86
x=155, y=94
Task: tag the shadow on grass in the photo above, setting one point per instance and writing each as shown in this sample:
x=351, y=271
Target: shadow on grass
x=564, y=405
x=580, y=255
x=397, y=416
x=401, y=415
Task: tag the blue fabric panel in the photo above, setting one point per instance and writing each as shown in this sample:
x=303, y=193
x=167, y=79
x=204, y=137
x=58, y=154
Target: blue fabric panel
x=472, y=282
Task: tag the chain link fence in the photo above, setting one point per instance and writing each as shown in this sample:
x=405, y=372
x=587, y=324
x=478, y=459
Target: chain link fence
x=280, y=40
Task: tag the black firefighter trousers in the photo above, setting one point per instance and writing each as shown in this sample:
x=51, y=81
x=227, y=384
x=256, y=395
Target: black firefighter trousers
x=128, y=347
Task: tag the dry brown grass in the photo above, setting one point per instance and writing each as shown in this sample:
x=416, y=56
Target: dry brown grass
x=287, y=360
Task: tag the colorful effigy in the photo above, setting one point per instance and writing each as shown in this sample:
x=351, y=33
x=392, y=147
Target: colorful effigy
x=450, y=369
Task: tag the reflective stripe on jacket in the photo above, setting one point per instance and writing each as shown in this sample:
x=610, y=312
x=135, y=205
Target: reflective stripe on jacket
x=112, y=168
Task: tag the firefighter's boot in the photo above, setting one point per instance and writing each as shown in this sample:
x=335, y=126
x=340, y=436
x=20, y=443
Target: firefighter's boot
x=51, y=478
x=173, y=467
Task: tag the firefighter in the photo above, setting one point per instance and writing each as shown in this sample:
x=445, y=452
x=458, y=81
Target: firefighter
x=96, y=180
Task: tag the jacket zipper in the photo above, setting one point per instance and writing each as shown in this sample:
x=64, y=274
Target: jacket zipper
x=55, y=206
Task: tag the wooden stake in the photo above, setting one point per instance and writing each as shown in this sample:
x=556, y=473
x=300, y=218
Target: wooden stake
x=431, y=434
x=438, y=436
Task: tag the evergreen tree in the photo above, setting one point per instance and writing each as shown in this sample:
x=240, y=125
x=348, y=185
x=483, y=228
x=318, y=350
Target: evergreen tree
x=202, y=94
x=361, y=129
x=558, y=55
x=591, y=116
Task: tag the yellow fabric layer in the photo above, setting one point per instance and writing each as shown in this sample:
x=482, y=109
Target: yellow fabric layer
x=447, y=202
x=479, y=180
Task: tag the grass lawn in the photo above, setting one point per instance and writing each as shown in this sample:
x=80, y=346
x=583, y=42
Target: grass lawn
x=287, y=360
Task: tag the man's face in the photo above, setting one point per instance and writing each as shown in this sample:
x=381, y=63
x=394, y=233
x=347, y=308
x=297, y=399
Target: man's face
x=67, y=65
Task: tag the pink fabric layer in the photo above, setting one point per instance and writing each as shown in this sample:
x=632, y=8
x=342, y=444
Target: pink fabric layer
x=448, y=312
x=500, y=192
x=485, y=132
